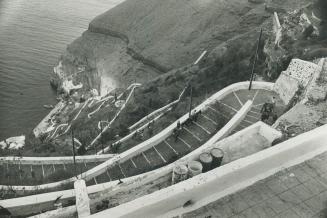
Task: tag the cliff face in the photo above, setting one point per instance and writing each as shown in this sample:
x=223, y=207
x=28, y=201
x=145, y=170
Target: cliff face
x=174, y=33
x=141, y=39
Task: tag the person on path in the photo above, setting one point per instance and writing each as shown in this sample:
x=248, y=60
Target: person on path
x=265, y=111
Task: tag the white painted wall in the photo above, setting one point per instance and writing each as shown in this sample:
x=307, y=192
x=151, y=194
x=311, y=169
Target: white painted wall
x=225, y=180
x=56, y=160
x=101, y=191
x=146, y=177
x=82, y=199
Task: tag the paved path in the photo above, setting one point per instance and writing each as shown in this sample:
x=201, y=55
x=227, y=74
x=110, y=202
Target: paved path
x=296, y=192
x=259, y=97
x=191, y=137
x=168, y=151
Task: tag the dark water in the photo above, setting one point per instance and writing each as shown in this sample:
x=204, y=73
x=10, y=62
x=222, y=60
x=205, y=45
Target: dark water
x=33, y=33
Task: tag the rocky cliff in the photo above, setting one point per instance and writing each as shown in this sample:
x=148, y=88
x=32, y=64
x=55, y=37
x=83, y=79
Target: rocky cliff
x=142, y=39
x=155, y=43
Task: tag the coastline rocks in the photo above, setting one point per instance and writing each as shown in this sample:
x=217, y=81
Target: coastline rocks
x=68, y=86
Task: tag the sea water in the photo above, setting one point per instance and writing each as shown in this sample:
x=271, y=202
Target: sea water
x=33, y=34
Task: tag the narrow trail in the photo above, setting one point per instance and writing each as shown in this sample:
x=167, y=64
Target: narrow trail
x=98, y=108
x=154, y=113
x=144, y=122
x=133, y=87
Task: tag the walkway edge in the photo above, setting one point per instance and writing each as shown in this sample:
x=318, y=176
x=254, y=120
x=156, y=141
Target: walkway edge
x=225, y=180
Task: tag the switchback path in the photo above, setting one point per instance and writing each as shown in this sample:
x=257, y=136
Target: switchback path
x=194, y=135
x=191, y=137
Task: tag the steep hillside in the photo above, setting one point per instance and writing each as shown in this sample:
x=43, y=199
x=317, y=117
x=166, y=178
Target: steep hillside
x=155, y=43
x=142, y=39
x=173, y=33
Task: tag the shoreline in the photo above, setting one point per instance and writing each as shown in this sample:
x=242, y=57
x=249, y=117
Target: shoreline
x=44, y=124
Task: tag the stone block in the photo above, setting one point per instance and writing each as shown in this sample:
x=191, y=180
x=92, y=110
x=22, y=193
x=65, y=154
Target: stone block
x=298, y=74
x=82, y=199
x=286, y=86
x=302, y=71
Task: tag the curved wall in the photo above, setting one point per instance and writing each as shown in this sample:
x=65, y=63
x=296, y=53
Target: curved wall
x=44, y=202
x=56, y=160
x=155, y=139
x=234, y=144
x=225, y=180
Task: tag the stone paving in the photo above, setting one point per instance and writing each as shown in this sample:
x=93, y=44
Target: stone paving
x=299, y=191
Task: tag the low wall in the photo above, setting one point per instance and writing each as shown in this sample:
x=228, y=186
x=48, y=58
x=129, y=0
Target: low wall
x=58, y=213
x=158, y=110
x=127, y=137
x=168, y=131
x=44, y=202
x=56, y=160
x=225, y=180
x=32, y=204
x=101, y=168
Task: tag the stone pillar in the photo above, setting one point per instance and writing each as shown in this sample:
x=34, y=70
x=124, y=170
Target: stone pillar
x=82, y=199
x=277, y=29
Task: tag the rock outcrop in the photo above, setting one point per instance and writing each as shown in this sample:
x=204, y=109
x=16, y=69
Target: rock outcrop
x=301, y=37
